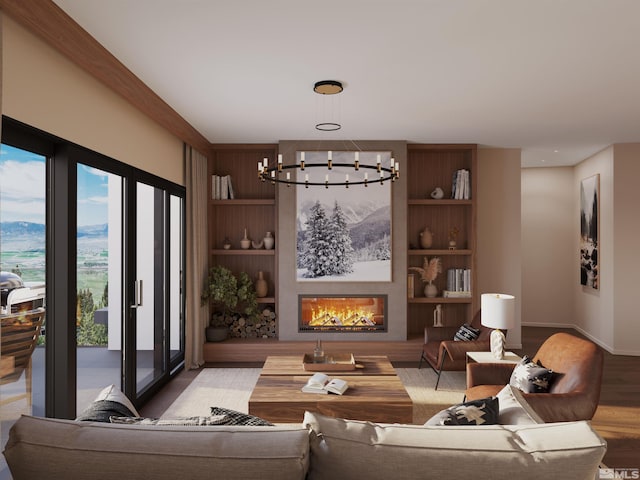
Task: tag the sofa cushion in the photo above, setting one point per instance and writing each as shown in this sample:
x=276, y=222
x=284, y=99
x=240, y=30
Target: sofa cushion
x=531, y=377
x=109, y=402
x=483, y=411
x=233, y=417
x=53, y=449
x=355, y=449
x=514, y=409
x=466, y=333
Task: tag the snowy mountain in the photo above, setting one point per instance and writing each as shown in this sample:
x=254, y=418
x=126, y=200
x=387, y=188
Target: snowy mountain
x=353, y=213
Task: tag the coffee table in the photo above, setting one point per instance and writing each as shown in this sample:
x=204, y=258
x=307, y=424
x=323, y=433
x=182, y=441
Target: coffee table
x=374, y=397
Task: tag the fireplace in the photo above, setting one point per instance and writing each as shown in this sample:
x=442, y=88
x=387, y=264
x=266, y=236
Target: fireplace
x=334, y=313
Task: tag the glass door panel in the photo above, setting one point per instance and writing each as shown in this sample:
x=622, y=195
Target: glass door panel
x=176, y=280
x=99, y=282
x=149, y=286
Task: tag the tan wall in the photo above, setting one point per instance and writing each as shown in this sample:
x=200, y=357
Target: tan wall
x=499, y=237
x=548, y=239
x=594, y=312
x=43, y=89
x=626, y=172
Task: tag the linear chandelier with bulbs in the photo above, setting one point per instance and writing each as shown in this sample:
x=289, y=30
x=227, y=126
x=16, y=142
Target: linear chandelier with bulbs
x=280, y=172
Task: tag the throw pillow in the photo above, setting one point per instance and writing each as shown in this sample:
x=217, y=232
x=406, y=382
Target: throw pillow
x=183, y=421
x=514, y=409
x=232, y=417
x=475, y=412
x=109, y=402
x=531, y=377
x=466, y=333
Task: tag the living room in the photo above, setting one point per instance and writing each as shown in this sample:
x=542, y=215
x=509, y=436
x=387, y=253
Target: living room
x=527, y=218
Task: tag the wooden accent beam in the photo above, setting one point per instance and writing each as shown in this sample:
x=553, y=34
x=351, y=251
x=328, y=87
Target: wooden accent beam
x=46, y=20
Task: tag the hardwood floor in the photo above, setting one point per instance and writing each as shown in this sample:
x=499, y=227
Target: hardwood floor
x=617, y=419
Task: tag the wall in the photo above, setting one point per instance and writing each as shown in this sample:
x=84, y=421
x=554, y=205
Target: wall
x=499, y=256
x=626, y=224
x=43, y=89
x=548, y=238
x=594, y=313
x=289, y=289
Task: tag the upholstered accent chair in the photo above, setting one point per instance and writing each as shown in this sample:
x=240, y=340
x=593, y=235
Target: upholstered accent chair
x=443, y=353
x=573, y=394
x=19, y=336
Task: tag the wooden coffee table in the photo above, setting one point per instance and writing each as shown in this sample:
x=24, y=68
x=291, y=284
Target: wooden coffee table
x=375, y=397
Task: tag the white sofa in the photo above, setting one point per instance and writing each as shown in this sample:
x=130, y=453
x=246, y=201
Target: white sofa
x=321, y=448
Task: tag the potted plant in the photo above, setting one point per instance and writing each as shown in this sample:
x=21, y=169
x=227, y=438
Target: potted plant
x=428, y=273
x=230, y=297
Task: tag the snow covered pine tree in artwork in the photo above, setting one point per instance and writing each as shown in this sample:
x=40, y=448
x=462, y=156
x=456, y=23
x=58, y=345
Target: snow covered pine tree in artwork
x=340, y=242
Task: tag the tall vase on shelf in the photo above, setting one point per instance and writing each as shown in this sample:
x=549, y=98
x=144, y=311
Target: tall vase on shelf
x=261, y=285
x=269, y=241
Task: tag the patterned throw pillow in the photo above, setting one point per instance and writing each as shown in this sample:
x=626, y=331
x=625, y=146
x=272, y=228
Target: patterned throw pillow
x=109, y=402
x=184, y=421
x=233, y=417
x=466, y=333
x=531, y=377
x=484, y=411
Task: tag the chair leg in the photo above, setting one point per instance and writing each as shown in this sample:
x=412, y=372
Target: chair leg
x=439, y=371
x=421, y=359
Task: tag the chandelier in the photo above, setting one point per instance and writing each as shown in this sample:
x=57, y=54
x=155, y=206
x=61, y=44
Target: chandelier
x=356, y=172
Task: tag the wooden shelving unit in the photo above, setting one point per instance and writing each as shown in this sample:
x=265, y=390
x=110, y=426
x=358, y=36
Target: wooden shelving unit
x=428, y=167
x=254, y=208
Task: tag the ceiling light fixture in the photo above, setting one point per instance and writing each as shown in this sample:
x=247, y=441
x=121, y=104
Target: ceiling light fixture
x=280, y=172
x=359, y=170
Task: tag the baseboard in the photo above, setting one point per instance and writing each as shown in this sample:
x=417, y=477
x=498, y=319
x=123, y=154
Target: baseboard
x=597, y=341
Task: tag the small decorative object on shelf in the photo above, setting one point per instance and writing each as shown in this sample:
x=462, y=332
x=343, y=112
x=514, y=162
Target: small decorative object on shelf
x=257, y=245
x=437, y=193
x=428, y=273
x=269, y=241
x=226, y=244
x=261, y=285
x=426, y=238
x=411, y=285
x=453, y=237
x=437, y=316
x=245, y=243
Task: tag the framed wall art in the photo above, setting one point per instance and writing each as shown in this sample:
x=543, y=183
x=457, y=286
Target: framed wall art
x=589, y=246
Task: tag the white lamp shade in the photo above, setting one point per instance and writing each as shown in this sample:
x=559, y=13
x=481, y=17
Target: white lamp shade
x=498, y=310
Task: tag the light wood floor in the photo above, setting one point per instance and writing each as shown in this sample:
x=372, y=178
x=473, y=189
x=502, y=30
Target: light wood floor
x=617, y=418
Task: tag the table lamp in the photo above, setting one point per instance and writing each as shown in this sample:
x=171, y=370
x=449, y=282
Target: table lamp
x=498, y=312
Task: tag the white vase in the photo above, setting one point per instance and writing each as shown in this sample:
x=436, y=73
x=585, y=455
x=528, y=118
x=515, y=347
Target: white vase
x=269, y=241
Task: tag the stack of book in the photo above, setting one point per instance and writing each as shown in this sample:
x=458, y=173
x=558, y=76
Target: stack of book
x=461, y=187
x=221, y=187
x=458, y=283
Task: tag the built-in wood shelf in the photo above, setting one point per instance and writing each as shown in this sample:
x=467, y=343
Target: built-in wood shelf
x=439, y=300
x=431, y=252
x=266, y=300
x=427, y=201
x=252, y=202
x=240, y=251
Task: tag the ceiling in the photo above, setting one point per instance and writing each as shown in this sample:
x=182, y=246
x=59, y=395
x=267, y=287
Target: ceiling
x=558, y=79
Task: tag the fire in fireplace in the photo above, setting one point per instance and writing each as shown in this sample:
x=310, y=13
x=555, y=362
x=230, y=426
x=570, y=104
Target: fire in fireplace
x=356, y=313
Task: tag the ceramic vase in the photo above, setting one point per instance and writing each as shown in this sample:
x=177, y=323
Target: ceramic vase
x=269, y=241
x=430, y=290
x=426, y=238
x=245, y=243
x=261, y=286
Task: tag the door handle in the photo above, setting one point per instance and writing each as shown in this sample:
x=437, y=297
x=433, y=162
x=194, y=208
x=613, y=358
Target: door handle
x=137, y=294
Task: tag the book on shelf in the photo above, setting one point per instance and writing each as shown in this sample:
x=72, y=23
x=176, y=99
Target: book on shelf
x=459, y=280
x=321, y=383
x=460, y=294
x=221, y=187
x=461, y=185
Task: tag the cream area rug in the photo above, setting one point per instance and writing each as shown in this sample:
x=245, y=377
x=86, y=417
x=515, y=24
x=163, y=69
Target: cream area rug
x=232, y=387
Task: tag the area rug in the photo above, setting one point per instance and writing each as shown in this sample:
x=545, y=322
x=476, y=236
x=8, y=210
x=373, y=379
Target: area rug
x=232, y=387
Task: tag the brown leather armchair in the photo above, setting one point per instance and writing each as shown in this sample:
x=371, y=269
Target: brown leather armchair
x=574, y=393
x=442, y=352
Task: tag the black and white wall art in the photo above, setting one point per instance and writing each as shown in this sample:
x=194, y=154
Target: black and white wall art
x=589, y=246
x=343, y=234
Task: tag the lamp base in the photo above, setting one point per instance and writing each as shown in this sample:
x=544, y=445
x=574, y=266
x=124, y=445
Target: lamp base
x=497, y=344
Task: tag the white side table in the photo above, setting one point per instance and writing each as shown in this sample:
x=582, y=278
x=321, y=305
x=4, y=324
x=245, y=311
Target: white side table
x=487, y=357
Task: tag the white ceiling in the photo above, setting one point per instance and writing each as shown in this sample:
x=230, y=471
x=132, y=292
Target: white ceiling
x=558, y=78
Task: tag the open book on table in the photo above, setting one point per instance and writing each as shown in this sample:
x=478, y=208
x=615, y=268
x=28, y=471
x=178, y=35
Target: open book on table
x=321, y=383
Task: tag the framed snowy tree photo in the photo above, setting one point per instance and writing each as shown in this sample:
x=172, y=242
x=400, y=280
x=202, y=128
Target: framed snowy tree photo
x=589, y=246
x=343, y=234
